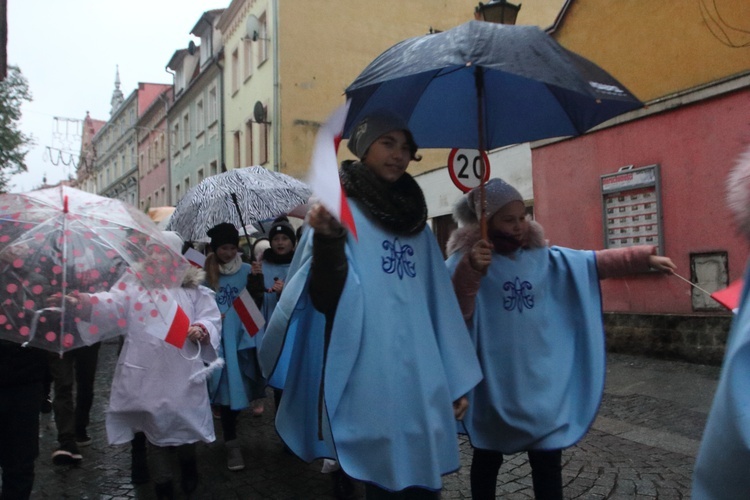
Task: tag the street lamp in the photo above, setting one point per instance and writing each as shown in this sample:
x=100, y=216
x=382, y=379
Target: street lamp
x=497, y=11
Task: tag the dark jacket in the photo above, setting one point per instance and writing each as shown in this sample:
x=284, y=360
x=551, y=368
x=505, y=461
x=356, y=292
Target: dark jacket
x=21, y=365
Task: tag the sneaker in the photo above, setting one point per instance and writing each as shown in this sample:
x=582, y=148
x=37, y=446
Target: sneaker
x=83, y=439
x=67, y=455
x=234, y=456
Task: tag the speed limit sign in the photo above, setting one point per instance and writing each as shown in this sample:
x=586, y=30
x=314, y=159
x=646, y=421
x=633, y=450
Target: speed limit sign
x=465, y=167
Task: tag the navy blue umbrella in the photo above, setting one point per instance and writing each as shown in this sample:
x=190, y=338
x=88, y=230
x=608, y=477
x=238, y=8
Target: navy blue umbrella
x=483, y=85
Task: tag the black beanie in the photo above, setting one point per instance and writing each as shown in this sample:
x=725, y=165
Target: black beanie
x=223, y=233
x=281, y=225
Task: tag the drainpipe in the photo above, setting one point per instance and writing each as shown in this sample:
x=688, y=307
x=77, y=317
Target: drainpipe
x=276, y=89
x=219, y=59
x=169, y=141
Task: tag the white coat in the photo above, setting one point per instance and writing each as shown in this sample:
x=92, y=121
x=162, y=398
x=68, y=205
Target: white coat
x=152, y=391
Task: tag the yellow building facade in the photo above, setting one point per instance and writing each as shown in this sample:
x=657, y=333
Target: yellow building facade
x=287, y=64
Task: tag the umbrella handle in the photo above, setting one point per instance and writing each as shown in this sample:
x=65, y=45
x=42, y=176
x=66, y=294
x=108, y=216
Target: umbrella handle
x=35, y=322
x=197, y=355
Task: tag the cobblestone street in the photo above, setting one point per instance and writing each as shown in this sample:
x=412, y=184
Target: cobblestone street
x=642, y=445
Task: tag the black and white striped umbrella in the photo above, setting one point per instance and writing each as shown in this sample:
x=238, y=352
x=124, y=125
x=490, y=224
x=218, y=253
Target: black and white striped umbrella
x=261, y=194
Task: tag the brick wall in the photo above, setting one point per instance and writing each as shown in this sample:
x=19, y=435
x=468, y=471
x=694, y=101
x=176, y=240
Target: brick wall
x=697, y=339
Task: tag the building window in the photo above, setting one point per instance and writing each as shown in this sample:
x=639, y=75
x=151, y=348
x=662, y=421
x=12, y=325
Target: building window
x=262, y=39
x=212, y=105
x=249, y=142
x=235, y=71
x=200, y=124
x=186, y=130
x=247, y=52
x=186, y=183
x=176, y=139
x=177, y=193
x=237, y=149
x=263, y=142
x=142, y=166
x=200, y=175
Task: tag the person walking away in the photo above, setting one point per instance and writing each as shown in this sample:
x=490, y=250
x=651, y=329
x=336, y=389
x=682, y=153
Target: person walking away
x=232, y=387
x=543, y=378
x=379, y=357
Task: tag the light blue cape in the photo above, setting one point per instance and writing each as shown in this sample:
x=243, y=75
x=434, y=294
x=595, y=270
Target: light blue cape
x=539, y=335
x=230, y=386
x=399, y=356
x=722, y=469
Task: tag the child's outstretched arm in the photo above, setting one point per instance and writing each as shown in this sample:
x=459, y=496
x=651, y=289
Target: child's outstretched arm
x=662, y=263
x=617, y=262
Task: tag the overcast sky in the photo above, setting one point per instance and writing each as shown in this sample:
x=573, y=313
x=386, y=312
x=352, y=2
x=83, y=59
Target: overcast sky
x=68, y=51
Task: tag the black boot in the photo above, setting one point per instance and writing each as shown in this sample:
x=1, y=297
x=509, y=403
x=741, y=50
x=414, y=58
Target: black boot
x=188, y=476
x=343, y=485
x=164, y=491
x=139, y=463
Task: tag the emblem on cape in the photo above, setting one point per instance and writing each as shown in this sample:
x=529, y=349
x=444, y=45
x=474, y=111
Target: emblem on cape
x=227, y=294
x=519, y=295
x=397, y=261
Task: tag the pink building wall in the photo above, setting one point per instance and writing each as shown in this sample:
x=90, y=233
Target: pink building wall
x=150, y=179
x=695, y=146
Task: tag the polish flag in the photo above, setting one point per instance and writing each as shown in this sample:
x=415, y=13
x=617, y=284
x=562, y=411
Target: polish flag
x=729, y=297
x=166, y=320
x=323, y=178
x=248, y=312
x=195, y=257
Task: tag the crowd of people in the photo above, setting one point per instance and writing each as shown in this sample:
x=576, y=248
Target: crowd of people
x=378, y=350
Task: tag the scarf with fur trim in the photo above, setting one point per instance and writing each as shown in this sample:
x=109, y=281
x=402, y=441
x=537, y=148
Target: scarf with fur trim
x=399, y=206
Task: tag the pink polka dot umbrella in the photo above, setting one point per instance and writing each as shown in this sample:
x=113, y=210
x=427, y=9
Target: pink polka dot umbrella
x=77, y=268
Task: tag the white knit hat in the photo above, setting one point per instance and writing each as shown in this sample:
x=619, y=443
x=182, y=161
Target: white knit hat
x=497, y=193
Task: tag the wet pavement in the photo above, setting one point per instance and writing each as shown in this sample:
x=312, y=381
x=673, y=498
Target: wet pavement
x=642, y=445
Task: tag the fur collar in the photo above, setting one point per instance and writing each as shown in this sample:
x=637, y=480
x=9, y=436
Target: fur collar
x=193, y=277
x=738, y=192
x=463, y=238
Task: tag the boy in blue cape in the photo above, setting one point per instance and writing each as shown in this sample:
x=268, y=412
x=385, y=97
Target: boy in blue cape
x=367, y=340
x=534, y=313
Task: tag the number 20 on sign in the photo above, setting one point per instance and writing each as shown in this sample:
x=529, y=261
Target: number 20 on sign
x=465, y=168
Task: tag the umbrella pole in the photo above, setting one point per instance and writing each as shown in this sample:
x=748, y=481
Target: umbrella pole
x=479, y=82
x=242, y=221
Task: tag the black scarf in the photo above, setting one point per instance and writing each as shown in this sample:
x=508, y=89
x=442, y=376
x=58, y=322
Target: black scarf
x=270, y=256
x=399, y=206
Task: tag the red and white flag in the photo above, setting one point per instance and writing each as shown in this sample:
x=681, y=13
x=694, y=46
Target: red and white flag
x=248, y=312
x=195, y=257
x=729, y=297
x=323, y=178
x=165, y=320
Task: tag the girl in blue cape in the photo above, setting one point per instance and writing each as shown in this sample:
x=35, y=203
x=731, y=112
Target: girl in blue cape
x=266, y=280
x=721, y=468
x=234, y=386
x=368, y=340
x=534, y=313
